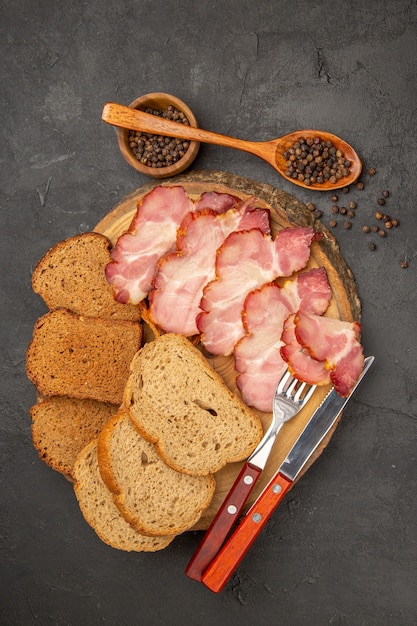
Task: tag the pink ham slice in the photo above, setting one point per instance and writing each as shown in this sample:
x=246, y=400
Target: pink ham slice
x=151, y=234
x=333, y=343
x=246, y=261
x=298, y=359
x=182, y=275
x=258, y=360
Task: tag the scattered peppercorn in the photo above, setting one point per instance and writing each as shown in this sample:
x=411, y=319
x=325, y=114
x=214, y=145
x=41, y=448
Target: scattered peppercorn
x=404, y=264
x=310, y=206
x=371, y=245
x=334, y=209
x=332, y=223
x=385, y=193
x=334, y=198
x=366, y=229
x=371, y=171
x=343, y=210
x=314, y=161
x=157, y=150
x=375, y=228
x=360, y=185
x=381, y=201
x=379, y=215
x=351, y=213
x=382, y=233
x=345, y=190
x=388, y=224
x=347, y=225
x=352, y=204
x=395, y=222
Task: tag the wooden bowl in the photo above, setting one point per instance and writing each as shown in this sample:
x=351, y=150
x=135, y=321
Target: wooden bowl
x=159, y=101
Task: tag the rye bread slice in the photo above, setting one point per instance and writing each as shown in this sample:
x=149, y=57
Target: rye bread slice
x=81, y=357
x=62, y=427
x=100, y=512
x=152, y=497
x=177, y=401
x=71, y=275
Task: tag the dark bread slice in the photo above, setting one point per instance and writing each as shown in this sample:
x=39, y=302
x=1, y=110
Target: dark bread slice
x=62, y=427
x=177, y=401
x=100, y=512
x=152, y=497
x=82, y=357
x=71, y=275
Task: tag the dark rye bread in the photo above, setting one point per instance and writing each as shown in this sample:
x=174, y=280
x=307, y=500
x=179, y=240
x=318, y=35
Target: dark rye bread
x=81, y=357
x=62, y=427
x=71, y=275
x=177, y=401
x=152, y=497
x=100, y=512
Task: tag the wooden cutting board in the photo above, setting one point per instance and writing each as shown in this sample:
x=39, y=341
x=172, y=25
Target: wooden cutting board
x=285, y=211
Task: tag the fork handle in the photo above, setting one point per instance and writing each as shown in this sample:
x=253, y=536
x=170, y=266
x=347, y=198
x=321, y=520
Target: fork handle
x=224, y=564
x=223, y=522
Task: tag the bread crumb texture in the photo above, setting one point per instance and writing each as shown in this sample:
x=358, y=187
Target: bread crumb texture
x=82, y=357
x=100, y=512
x=71, y=275
x=152, y=497
x=177, y=401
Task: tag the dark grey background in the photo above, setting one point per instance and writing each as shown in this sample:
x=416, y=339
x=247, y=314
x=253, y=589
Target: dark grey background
x=341, y=550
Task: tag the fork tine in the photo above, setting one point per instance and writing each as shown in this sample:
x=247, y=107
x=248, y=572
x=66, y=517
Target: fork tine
x=283, y=382
x=307, y=395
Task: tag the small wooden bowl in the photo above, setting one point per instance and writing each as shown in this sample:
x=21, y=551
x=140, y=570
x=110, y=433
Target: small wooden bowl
x=159, y=101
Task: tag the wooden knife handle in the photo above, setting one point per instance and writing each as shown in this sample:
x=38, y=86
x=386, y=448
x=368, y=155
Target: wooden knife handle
x=224, y=564
x=223, y=522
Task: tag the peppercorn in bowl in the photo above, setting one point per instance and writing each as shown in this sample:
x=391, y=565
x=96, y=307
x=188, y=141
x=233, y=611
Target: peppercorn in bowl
x=156, y=155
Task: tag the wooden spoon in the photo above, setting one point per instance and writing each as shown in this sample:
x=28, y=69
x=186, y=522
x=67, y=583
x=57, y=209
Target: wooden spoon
x=270, y=151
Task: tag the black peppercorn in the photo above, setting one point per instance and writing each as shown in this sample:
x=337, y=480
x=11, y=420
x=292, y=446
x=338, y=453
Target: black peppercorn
x=334, y=209
x=347, y=225
x=371, y=171
x=385, y=193
x=404, y=264
x=371, y=245
x=382, y=233
x=332, y=223
x=334, y=198
x=366, y=229
x=360, y=186
x=352, y=204
x=381, y=201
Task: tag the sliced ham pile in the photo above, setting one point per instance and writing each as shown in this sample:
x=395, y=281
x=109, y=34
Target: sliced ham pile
x=210, y=266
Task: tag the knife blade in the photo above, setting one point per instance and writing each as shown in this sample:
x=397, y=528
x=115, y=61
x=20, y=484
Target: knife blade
x=228, y=558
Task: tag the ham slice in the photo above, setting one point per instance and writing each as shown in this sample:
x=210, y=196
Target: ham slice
x=258, y=360
x=333, y=343
x=182, y=275
x=151, y=234
x=246, y=261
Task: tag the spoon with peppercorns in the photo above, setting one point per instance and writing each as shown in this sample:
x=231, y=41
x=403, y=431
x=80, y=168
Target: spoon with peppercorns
x=309, y=158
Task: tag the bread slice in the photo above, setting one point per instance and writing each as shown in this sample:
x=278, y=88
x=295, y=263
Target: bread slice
x=152, y=497
x=62, y=427
x=71, y=275
x=81, y=357
x=177, y=401
x=100, y=512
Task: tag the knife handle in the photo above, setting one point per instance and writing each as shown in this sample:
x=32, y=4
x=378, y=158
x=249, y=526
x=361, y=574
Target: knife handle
x=224, y=564
x=223, y=522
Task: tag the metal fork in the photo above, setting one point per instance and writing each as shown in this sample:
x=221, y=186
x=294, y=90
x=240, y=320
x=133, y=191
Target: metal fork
x=290, y=397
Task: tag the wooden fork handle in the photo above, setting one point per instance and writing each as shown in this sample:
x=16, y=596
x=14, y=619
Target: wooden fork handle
x=223, y=522
x=224, y=564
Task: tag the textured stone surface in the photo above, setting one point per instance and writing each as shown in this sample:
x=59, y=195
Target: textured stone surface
x=342, y=548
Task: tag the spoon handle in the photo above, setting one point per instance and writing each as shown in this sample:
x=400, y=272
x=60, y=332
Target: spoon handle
x=133, y=119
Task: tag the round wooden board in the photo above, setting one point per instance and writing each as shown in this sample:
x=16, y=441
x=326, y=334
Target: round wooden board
x=285, y=211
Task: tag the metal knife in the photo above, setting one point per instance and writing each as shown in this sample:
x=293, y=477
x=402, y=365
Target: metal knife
x=228, y=558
